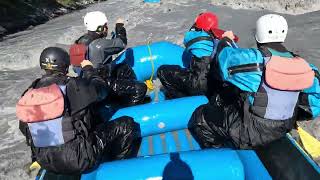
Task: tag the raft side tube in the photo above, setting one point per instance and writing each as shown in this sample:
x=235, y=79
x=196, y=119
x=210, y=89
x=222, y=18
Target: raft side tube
x=253, y=167
x=163, y=53
x=169, y=115
x=198, y=165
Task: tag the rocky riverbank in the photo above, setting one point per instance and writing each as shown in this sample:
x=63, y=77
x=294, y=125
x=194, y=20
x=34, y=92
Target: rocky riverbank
x=18, y=15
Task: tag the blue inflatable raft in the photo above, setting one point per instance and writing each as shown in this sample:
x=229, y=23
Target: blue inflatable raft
x=169, y=152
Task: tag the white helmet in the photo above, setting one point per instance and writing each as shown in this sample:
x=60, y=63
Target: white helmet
x=92, y=20
x=271, y=28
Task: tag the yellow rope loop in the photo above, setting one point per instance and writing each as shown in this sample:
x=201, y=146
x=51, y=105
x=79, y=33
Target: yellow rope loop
x=149, y=85
x=149, y=82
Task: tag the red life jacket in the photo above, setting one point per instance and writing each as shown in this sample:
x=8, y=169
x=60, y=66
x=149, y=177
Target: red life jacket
x=43, y=109
x=288, y=74
x=41, y=104
x=77, y=54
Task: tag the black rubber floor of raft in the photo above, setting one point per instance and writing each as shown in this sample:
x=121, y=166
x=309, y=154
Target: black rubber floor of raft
x=285, y=162
x=165, y=143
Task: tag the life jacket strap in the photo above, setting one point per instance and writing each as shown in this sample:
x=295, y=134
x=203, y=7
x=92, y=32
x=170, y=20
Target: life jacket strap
x=197, y=39
x=246, y=68
x=317, y=74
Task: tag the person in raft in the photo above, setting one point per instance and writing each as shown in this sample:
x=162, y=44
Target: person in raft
x=200, y=42
x=271, y=87
x=59, y=120
x=99, y=49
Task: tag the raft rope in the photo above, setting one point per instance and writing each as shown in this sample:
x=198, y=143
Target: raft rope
x=148, y=82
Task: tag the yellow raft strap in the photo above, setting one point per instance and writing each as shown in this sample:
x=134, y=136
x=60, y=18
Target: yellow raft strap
x=310, y=144
x=149, y=81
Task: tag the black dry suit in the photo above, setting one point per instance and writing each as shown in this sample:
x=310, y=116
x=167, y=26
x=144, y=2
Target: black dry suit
x=120, y=78
x=179, y=82
x=80, y=138
x=231, y=116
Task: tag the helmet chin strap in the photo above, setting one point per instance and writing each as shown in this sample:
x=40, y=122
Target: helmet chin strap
x=101, y=34
x=50, y=72
x=104, y=34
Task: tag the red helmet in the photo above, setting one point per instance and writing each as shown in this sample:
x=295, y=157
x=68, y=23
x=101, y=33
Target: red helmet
x=207, y=21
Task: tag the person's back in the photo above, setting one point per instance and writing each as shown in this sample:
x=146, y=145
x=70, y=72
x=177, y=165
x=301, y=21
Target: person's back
x=60, y=119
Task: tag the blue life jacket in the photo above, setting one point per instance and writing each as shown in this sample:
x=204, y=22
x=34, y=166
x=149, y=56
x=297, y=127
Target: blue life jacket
x=200, y=44
x=313, y=94
x=244, y=68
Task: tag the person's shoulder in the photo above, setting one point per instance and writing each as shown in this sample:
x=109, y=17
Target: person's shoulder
x=75, y=82
x=82, y=39
x=78, y=85
x=100, y=41
x=196, y=33
x=264, y=51
x=104, y=42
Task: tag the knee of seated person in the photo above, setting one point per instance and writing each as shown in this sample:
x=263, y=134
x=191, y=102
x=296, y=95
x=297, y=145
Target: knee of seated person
x=196, y=118
x=125, y=120
x=141, y=88
x=129, y=125
x=161, y=70
x=167, y=68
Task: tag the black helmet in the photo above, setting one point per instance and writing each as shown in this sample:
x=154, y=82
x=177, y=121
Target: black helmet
x=54, y=58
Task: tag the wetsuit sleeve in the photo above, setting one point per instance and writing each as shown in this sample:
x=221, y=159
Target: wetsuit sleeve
x=199, y=69
x=215, y=65
x=101, y=50
x=121, y=33
x=25, y=131
x=97, y=83
x=23, y=127
x=242, y=63
x=85, y=91
x=309, y=100
x=113, y=46
x=223, y=43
